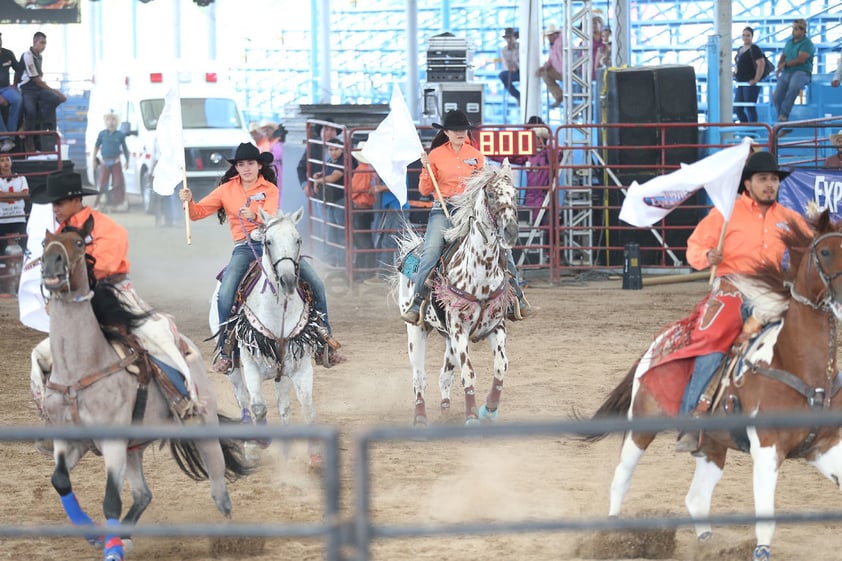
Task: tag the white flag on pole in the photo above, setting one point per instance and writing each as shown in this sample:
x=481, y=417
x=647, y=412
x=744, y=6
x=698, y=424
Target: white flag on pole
x=33, y=311
x=719, y=174
x=169, y=168
x=394, y=145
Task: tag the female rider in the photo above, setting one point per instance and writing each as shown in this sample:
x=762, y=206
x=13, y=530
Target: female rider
x=248, y=184
x=453, y=160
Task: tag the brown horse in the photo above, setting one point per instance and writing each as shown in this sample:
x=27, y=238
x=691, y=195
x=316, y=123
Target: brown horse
x=790, y=367
x=90, y=384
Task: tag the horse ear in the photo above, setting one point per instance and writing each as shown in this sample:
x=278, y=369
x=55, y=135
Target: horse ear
x=297, y=215
x=88, y=227
x=264, y=216
x=506, y=165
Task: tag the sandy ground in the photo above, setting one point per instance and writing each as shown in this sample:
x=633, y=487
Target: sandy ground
x=579, y=346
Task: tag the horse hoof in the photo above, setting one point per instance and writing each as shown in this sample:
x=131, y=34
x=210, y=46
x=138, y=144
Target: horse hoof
x=761, y=553
x=445, y=404
x=96, y=541
x=128, y=545
x=420, y=421
x=472, y=422
x=704, y=537
x=245, y=417
x=486, y=415
x=263, y=443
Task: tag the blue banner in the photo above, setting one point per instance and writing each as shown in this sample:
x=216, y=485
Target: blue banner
x=824, y=187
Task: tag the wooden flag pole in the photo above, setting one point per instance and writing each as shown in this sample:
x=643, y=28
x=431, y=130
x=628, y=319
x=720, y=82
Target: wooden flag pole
x=438, y=191
x=186, y=206
x=718, y=248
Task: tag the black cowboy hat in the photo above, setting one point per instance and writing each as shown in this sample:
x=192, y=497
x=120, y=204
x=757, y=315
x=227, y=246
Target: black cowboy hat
x=511, y=32
x=454, y=120
x=762, y=162
x=61, y=185
x=248, y=151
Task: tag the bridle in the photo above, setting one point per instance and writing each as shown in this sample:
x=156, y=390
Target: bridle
x=64, y=291
x=493, y=208
x=825, y=304
x=275, y=262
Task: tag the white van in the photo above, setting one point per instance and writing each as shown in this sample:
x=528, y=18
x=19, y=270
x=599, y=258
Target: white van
x=213, y=124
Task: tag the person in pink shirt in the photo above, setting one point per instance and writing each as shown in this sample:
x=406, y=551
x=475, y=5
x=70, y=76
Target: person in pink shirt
x=551, y=70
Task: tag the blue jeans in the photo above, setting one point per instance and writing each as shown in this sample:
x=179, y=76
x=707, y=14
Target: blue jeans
x=746, y=94
x=508, y=78
x=13, y=97
x=335, y=219
x=788, y=88
x=241, y=259
x=308, y=275
x=703, y=371
x=39, y=111
x=433, y=246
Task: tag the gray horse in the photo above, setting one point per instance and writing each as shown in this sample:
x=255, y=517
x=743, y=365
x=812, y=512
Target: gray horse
x=94, y=381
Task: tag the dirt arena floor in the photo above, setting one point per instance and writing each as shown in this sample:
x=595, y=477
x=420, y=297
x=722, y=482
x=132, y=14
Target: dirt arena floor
x=580, y=345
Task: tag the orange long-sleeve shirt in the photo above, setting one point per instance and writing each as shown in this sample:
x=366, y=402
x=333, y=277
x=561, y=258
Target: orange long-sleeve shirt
x=451, y=169
x=361, y=186
x=751, y=238
x=231, y=196
x=109, y=243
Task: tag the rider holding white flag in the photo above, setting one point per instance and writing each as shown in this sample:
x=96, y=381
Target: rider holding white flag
x=752, y=238
x=248, y=184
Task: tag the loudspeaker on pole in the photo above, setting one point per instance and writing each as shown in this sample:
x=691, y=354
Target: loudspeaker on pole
x=632, y=278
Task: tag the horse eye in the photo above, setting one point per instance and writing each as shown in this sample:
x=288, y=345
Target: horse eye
x=825, y=252
x=80, y=244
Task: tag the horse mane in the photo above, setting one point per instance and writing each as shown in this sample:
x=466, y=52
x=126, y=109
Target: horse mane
x=767, y=289
x=467, y=202
x=112, y=312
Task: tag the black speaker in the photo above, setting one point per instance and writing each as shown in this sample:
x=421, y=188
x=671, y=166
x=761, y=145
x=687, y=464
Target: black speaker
x=651, y=95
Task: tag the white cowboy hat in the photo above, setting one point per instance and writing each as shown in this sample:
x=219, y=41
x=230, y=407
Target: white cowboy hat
x=358, y=154
x=551, y=29
x=835, y=137
x=542, y=132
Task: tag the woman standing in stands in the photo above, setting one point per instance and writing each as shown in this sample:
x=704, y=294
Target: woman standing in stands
x=749, y=62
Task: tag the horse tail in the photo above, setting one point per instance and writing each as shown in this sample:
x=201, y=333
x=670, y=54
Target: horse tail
x=190, y=462
x=617, y=404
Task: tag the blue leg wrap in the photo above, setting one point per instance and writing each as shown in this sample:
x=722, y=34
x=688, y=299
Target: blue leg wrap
x=113, y=544
x=78, y=516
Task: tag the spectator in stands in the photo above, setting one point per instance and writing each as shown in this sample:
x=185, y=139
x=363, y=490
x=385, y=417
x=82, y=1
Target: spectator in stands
x=510, y=55
x=279, y=136
x=598, y=25
x=795, y=67
x=267, y=129
x=10, y=99
x=39, y=99
x=835, y=161
x=749, y=66
x=837, y=76
x=364, y=184
x=255, y=133
x=13, y=193
x=329, y=185
x=551, y=70
x=603, y=56
x=112, y=143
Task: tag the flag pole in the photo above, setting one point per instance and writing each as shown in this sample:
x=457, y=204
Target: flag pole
x=186, y=206
x=718, y=248
x=438, y=191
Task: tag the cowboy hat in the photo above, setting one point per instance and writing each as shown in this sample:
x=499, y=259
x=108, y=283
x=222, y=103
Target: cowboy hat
x=454, y=120
x=551, y=29
x=542, y=132
x=248, y=151
x=762, y=162
x=267, y=124
x=511, y=32
x=60, y=186
x=358, y=154
x=835, y=137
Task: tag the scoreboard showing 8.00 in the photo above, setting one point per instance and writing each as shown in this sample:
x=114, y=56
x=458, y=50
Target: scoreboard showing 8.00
x=496, y=142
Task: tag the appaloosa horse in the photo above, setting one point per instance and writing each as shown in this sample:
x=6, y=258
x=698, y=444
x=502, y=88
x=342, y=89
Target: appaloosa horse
x=790, y=366
x=277, y=329
x=94, y=381
x=471, y=293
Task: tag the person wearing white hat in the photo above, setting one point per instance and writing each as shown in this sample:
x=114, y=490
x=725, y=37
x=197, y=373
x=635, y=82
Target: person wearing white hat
x=835, y=161
x=552, y=70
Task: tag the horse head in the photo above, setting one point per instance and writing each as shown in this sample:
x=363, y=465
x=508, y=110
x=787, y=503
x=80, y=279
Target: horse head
x=282, y=247
x=64, y=252
x=820, y=270
x=501, y=198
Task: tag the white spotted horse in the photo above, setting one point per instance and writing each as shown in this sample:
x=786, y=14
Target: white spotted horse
x=95, y=380
x=277, y=328
x=471, y=292
x=790, y=366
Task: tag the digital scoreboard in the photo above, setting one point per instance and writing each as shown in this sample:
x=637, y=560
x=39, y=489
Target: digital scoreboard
x=500, y=142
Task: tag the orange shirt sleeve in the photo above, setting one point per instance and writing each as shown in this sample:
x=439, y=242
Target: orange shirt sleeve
x=451, y=170
x=231, y=197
